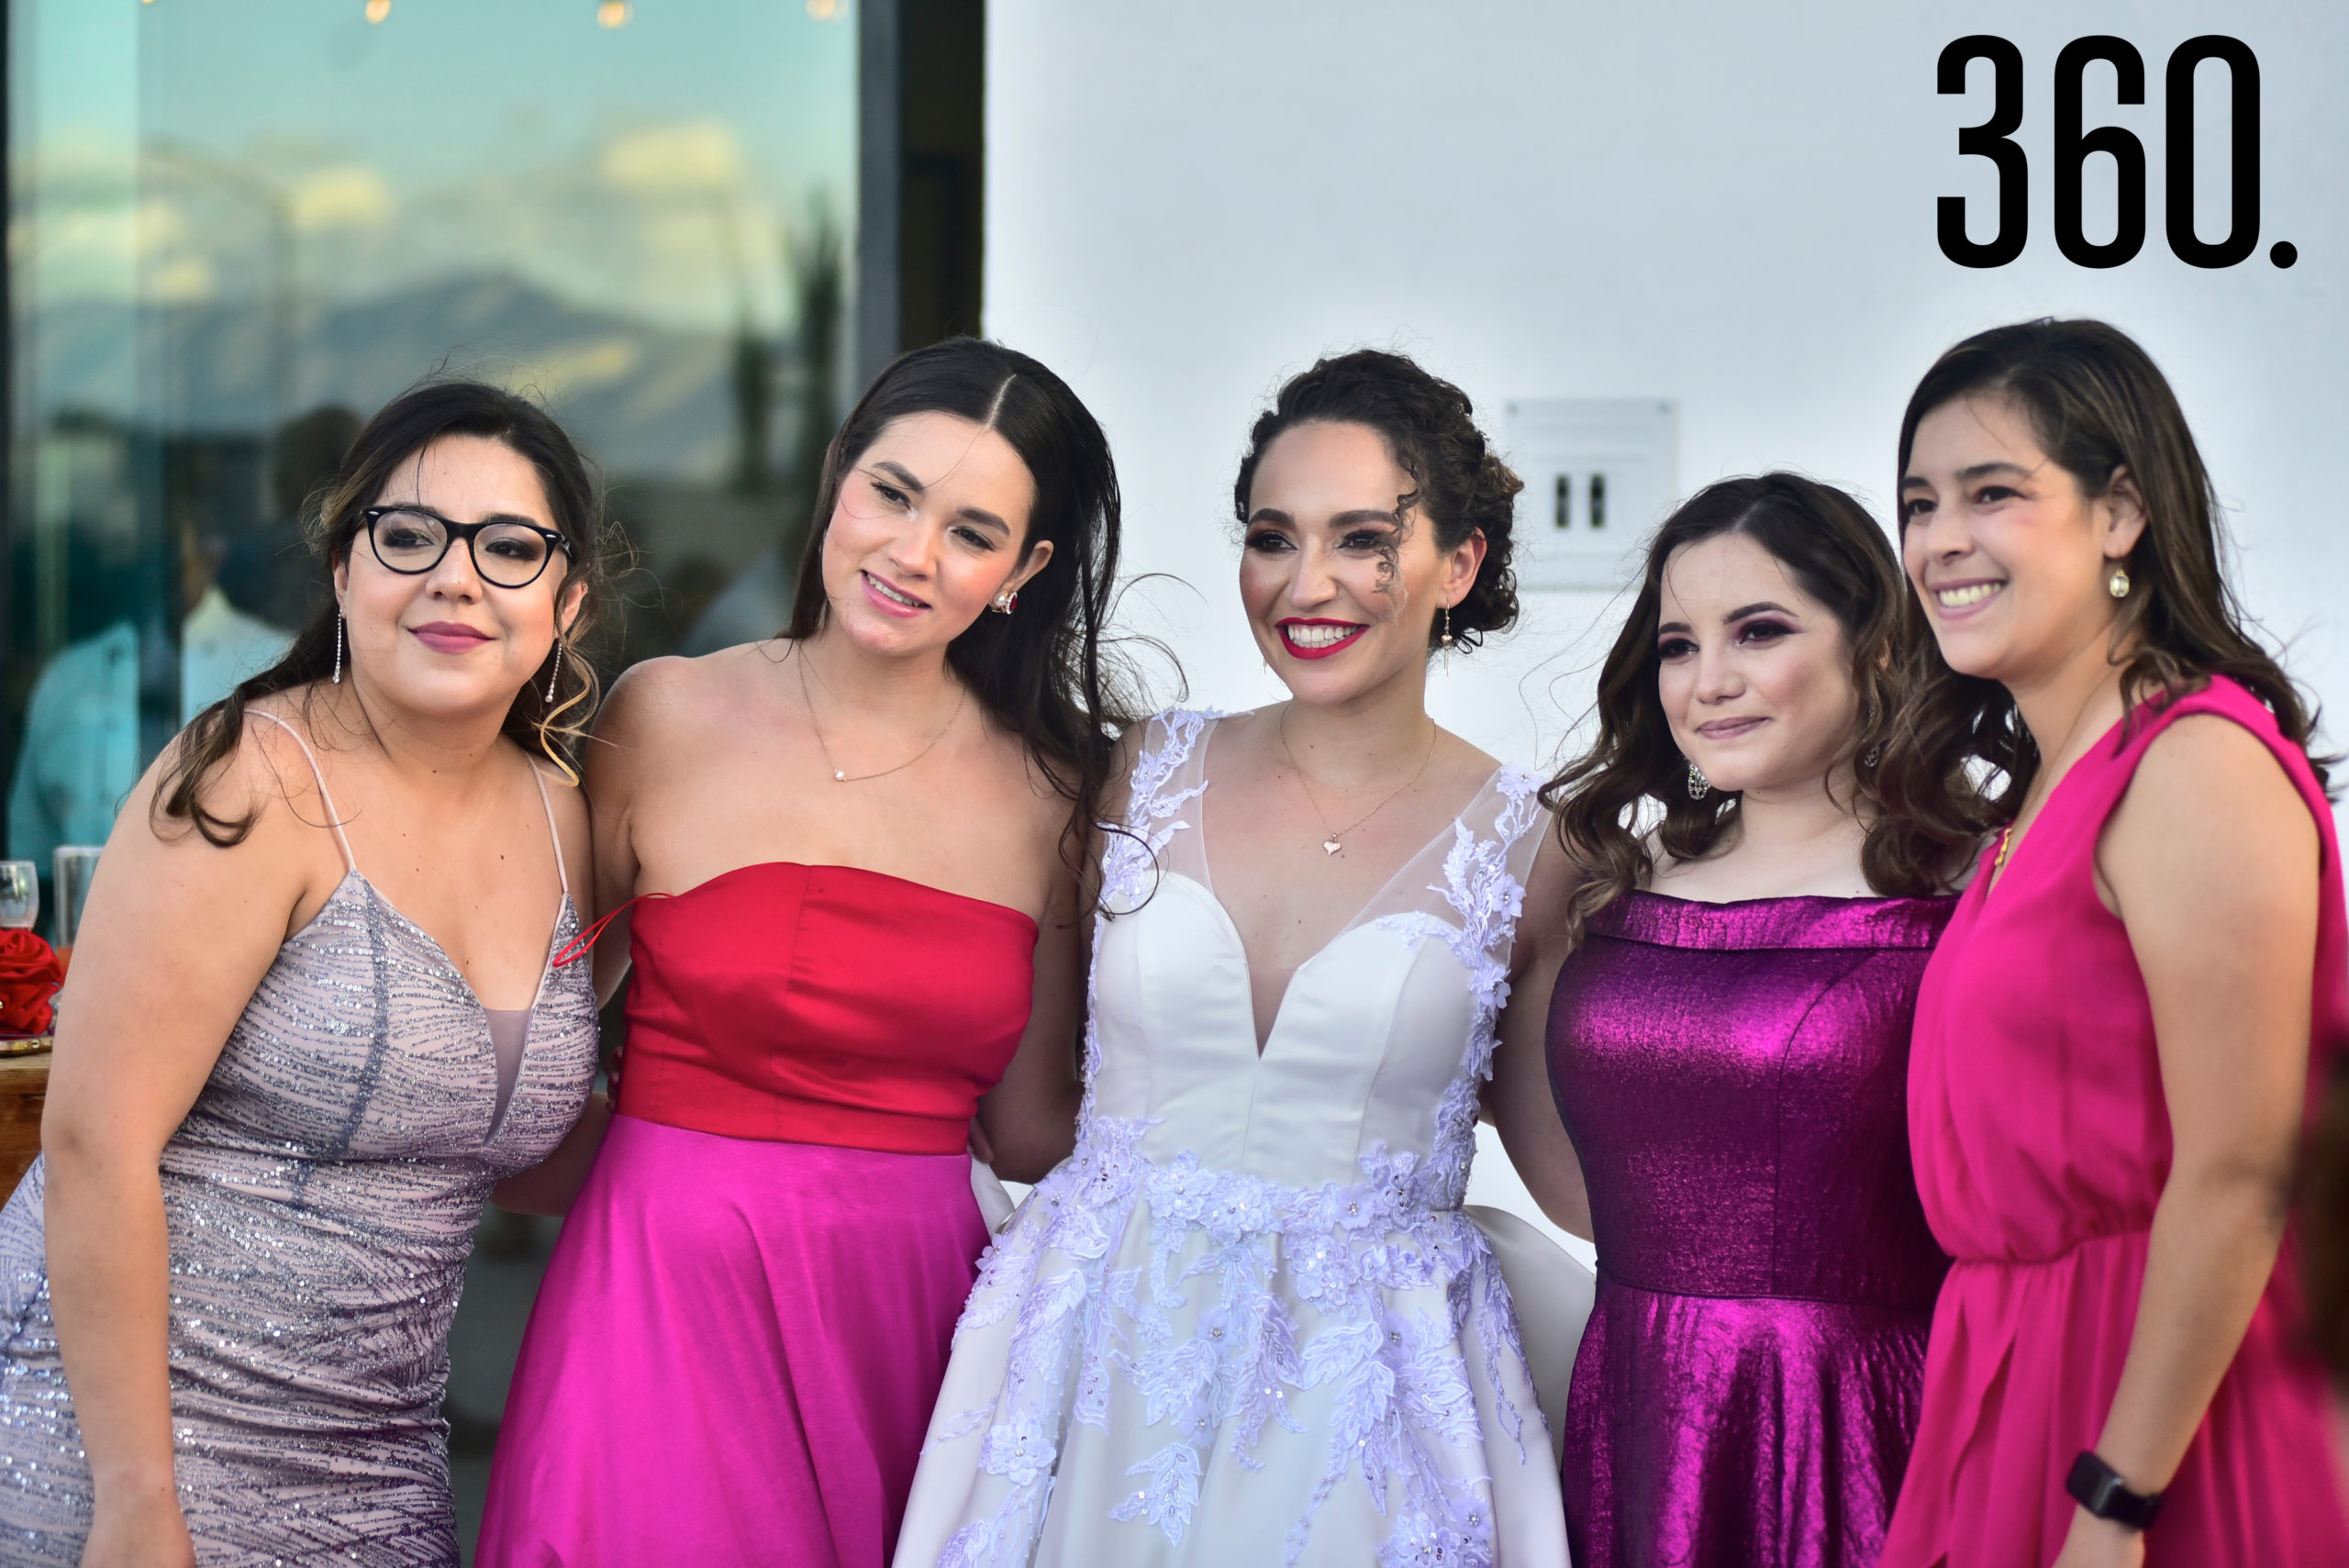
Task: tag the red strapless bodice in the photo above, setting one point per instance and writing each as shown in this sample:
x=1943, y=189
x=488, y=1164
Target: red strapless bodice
x=823, y=1004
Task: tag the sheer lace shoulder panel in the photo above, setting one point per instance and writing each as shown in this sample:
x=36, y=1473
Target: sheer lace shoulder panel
x=1167, y=776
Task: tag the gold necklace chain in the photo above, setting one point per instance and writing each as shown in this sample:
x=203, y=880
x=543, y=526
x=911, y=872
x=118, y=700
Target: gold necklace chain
x=2007, y=833
x=1333, y=845
x=839, y=777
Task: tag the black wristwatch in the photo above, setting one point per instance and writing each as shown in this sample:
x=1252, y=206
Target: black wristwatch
x=2099, y=1489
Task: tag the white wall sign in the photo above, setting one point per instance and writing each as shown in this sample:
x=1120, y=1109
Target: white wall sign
x=1599, y=472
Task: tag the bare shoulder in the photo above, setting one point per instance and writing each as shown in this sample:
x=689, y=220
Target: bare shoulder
x=262, y=798
x=268, y=777
x=1464, y=759
x=565, y=798
x=677, y=699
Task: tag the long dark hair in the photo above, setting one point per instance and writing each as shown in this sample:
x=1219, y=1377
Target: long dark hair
x=1461, y=484
x=1837, y=554
x=2097, y=405
x=1040, y=671
x=332, y=521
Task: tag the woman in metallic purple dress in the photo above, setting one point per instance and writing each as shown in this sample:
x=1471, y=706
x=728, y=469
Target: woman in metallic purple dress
x=1727, y=1039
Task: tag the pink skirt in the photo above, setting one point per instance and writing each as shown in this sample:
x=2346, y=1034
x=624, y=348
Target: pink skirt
x=734, y=1355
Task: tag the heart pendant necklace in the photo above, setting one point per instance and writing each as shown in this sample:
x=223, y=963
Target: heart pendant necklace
x=1334, y=844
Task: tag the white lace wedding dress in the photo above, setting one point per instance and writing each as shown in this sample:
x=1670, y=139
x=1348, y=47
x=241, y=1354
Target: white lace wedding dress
x=1247, y=1322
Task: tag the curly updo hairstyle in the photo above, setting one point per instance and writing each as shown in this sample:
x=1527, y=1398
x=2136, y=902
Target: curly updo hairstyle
x=1919, y=831
x=1459, y=485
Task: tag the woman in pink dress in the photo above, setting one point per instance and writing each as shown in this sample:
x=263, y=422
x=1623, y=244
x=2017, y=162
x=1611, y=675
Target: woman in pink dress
x=851, y=853
x=2116, y=1039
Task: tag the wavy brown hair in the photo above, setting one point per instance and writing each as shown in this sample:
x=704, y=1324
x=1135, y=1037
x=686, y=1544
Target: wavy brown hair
x=1837, y=555
x=332, y=521
x=1045, y=672
x=2099, y=406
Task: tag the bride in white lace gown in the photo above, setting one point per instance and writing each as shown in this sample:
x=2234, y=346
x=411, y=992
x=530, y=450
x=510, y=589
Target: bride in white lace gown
x=1248, y=1322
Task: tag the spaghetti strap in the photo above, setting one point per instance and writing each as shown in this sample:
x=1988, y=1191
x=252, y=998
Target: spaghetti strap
x=560, y=871
x=334, y=817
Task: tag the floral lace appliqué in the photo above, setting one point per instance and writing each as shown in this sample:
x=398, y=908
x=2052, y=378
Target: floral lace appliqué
x=1206, y=1335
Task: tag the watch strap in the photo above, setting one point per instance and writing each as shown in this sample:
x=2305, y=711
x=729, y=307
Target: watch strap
x=2098, y=1488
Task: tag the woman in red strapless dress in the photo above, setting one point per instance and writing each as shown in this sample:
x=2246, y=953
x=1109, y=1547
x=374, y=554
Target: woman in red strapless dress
x=845, y=859
x=2116, y=1039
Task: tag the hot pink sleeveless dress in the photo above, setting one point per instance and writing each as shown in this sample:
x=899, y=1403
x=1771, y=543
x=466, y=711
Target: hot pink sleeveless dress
x=2042, y=1141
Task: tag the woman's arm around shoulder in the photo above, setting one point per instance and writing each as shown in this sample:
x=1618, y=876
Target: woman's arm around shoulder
x=647, y=724
x=1518, y=1096
x=1026, y=1123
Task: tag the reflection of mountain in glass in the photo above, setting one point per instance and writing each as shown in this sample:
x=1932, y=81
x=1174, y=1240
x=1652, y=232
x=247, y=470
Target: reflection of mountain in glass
x=646, y=399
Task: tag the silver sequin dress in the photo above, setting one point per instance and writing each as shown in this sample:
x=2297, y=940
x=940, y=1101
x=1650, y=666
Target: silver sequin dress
x=320, y=1199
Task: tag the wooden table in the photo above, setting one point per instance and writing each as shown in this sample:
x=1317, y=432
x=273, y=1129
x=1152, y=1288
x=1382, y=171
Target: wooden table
x=24, y=1084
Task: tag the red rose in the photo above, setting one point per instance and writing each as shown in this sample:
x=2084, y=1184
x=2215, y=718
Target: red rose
x=30, y=976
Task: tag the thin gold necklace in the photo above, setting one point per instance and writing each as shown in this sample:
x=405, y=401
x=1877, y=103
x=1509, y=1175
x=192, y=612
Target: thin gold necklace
x=2007, y=834
x=839, y=777
x=1333, y=845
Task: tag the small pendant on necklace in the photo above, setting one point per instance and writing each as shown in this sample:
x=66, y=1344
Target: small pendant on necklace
x=1330, y=845
x=839, y=777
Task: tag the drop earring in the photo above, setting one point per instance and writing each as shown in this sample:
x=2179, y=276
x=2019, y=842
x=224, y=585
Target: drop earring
x=2118, y=583
x=556, y=671
x=338, y=647
x=1699, y=786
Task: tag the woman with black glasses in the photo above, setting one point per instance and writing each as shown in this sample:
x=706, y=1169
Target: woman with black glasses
x=313, y=1019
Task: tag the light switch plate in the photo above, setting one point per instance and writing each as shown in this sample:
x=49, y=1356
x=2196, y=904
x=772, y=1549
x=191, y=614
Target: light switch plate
x=1599, y=474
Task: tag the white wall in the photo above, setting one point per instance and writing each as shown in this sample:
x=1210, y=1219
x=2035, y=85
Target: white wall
x=1727, y=204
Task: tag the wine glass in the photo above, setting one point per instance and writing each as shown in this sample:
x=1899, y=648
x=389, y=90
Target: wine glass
x=75, y=865
x=19, y=895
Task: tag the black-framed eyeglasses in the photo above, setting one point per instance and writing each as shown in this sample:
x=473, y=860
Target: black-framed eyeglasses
x=505, y=553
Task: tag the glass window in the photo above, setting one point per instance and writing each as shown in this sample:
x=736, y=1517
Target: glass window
x=240, y=225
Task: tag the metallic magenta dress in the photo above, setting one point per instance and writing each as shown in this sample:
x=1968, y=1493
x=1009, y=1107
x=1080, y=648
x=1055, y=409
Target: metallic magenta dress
x=1734, y=1076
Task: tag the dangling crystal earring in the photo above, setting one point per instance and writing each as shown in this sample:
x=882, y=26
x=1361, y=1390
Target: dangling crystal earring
x=1875, y=753
x=338, y=647
x=2118, y=583
x=1699, y=786
x=556, y=671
